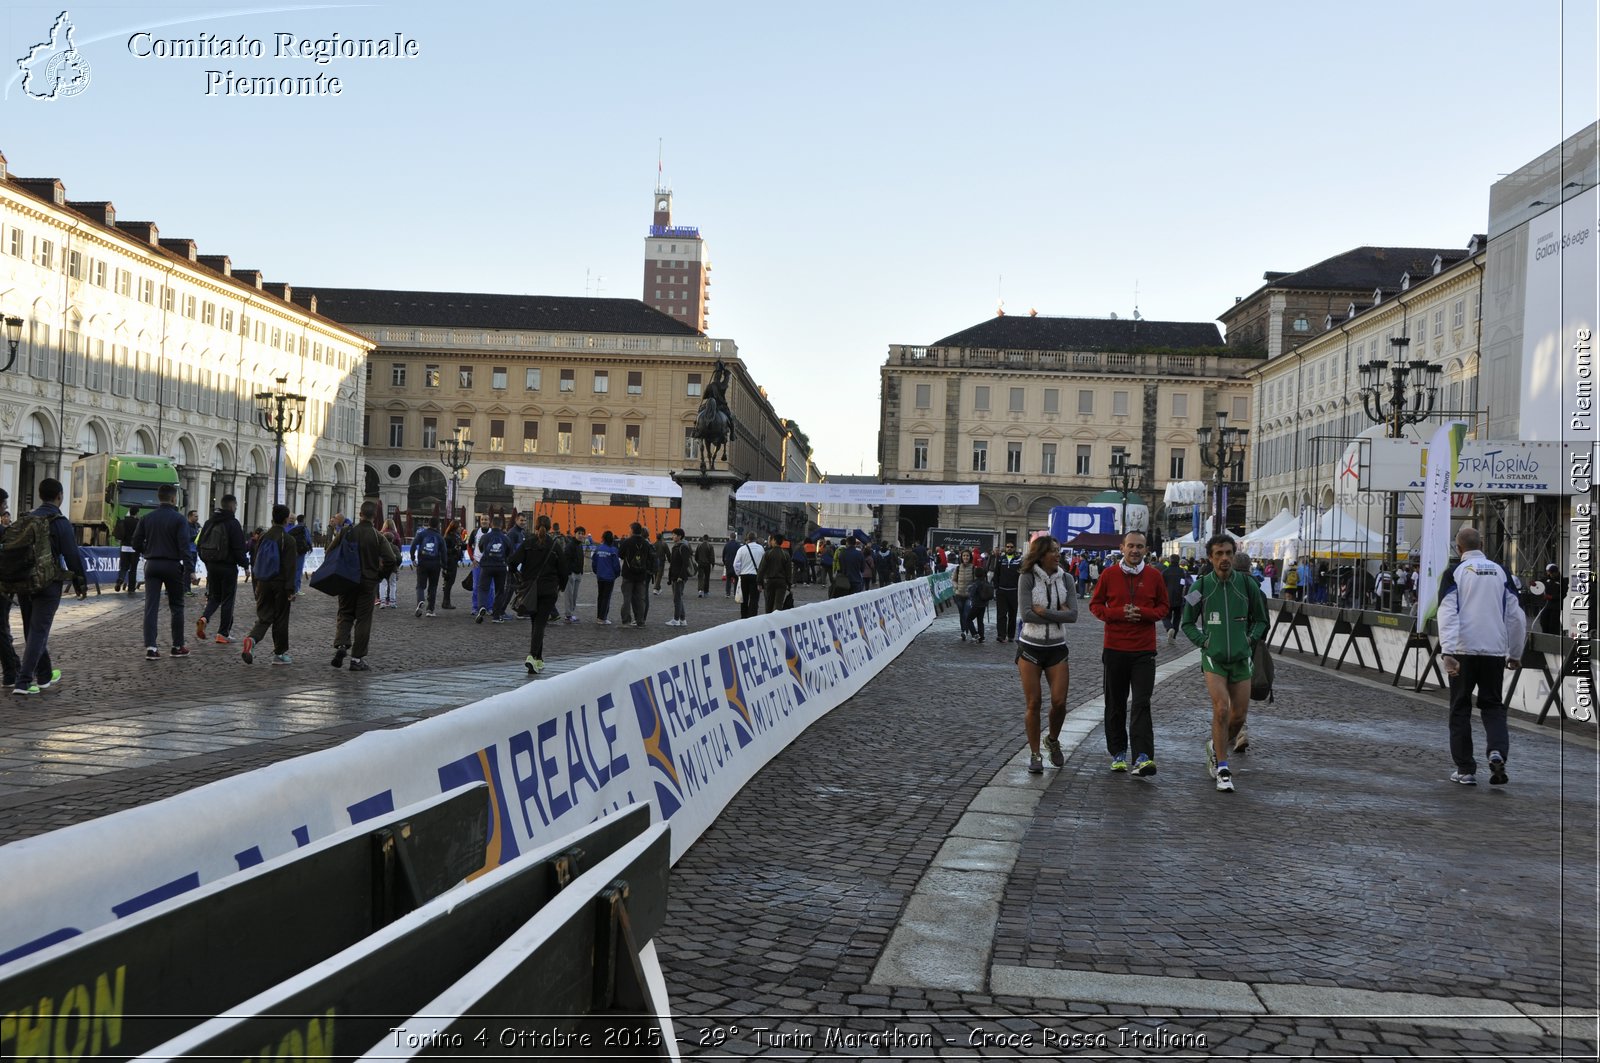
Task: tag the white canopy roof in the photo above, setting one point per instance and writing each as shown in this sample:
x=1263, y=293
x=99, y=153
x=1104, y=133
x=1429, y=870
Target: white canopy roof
x=1259, y=542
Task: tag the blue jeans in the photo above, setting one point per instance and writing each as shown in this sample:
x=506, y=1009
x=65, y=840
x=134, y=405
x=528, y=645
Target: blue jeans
x=485, y=588
x=172, y=577
x=38, y=613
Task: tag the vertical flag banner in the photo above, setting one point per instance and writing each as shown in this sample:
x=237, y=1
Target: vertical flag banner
x=1444, y=453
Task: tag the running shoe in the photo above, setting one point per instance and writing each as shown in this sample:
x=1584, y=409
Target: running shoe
x=1052, y=746
x=338, y=656
x=482, y=615
x=31, y=688
x=1144, y=766
x=1497, y=770
x=1224, y=779
x=179, y=651
x=538, y=664
x=247, y=652
x=200, y=629
x=223, y=640
x=430, y=615
x=359, y=664
x=420, y=607
x=607, y=623
x=501, y=620
x=152, y=654
x=1242, y=742
x=282, y=658
x=1036, y=765
x=1211, y=758
x=1119, y=762
x=51, y=680
x=1465, y=778
x=527, y=662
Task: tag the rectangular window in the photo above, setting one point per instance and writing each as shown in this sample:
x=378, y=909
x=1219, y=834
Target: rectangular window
x=430, y=433
x=1458, y=314
x=464, y=428
x=530, y=437
x=41, y=363
x=1241, y=411
x=1013, y=457
x=1085, y=453
x=919, y=454
x=366, y=430
x=924, y=396
x=602, y=382
x=47, y=255
x=633, y=439
x=397, y=374
x=188, y=306
x=97, y=273
x=497, y=436
x=1119, y=404
x=14, y=245
x=563, y=437
x=1421, y=330
x=1180, y=404
x=369, y=372
x=497, y=377
x=1052, y=400
x=597, y=440
x=531, y=379
x=1175, y=468
x=227, y=319
x=96, y=380
x=464, y=376
x=1018, y=401
x=691, y=444
x=1086, y=401
x=635, y=382
x=1047, y=459
x=147, y=291
x=208, y=313
x=1438, y=322
x=430, y=375
x=980, y=397
x=980, y=455
x=75, y=265
x=693, y=392
x=569, y=380
x=397, y=431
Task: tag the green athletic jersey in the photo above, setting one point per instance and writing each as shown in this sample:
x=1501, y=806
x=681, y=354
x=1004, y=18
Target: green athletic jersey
x=1226, y=618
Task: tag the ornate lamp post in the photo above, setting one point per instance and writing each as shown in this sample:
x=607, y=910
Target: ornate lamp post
x=1383, y=381
x=1222, y=451
x=280, y=412
x=1126, y=476
x=455, y=454
x=13, y=340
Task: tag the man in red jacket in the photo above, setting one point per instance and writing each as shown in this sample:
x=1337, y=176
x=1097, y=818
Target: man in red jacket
x=1131, y=598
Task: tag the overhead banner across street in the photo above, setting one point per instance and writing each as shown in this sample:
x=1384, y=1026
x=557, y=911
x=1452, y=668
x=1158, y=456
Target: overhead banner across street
x=611, y=483
x=862, y=494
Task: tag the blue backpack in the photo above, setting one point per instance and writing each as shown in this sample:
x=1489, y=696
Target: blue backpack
x=340, y=570
x=428, y=550
x=266, y=562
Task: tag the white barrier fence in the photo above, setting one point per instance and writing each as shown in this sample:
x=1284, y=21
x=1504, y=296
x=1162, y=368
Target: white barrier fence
x=683, y=725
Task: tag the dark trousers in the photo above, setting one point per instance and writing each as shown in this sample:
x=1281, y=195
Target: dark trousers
x=542, y=606
x=1005, y=613
x=704, y=576
x=38, y=613
x=486, y=587
x=602, y=605
x=750, y=591
x=972, y=616
x=678, y=586
x=638, y=592
x=222, y=585
x=777, y=591
x=272, y=614
x=728, y=579
x=428, y=587
x=1125, y=669
x=449, y=582
x=508, y=587
x=169, y=576
x=8, y=652
x=353, y=628
x=1487, y=675
x=128, y=570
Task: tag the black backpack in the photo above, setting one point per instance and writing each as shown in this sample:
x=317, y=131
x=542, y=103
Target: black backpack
x=214, y=548
x=28, y=561
x=636, y=559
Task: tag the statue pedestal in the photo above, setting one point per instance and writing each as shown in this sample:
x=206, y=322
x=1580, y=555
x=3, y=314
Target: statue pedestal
x=707, y=499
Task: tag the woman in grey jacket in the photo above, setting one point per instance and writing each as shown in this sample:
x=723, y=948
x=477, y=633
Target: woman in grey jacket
x=1047, y=601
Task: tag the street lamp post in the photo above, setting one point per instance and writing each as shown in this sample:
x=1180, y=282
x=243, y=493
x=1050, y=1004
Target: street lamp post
x=1387, y=381
x=280, y=412
x=1126, y=476
x=13, y=340
x=455, y=454
x=1223, y=458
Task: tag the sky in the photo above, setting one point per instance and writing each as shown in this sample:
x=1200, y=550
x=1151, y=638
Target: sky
x=863, y=174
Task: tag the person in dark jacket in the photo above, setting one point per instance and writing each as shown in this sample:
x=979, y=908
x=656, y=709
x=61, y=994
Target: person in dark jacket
x=574, y=558
x=776, y=573
x=427, y=559
x=39, y=608
x=222, y=569
x=274, y=592
x=1175, y=579
x=1005, y=569
x=193, y=556
x=730, y=550
x=637, y=561
x=353, y=629
x=453, y=551
x=705, y=559
x=128, y=569
x=8, y=650
x=541, y=567
x=492, y=549
x=853, y=565
x=162, y=538
x=680, y=566
x=607, y=567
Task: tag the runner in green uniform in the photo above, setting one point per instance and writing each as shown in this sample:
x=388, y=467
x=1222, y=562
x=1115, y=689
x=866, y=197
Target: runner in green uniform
x=1225, y=615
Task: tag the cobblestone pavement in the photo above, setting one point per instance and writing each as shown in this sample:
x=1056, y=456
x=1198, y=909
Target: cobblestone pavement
x=1345, y=862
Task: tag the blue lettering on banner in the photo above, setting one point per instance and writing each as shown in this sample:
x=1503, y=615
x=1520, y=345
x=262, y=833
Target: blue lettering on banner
x=483, y=766
x=376, y=805
x=657, y=747
x=248, y=858
x=302, y=836
x=164, y=892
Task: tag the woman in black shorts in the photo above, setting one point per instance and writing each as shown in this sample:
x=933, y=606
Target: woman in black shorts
x=1047, y=599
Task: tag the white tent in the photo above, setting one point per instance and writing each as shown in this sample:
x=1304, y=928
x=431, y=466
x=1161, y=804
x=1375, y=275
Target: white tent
x=1338, y=534
x=1191, y=546
x=1259, y=542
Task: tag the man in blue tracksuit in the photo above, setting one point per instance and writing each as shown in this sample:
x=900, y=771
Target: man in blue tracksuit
x=427, y=559
x=162, y=538
x=493, y=550
x=1482, y=630
x=39, y=608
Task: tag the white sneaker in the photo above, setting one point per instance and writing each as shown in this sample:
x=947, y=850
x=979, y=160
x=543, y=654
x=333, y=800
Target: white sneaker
x=1224, y=779
x=1465, y=778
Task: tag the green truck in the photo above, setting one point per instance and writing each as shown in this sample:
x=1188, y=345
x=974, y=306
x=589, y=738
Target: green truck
x=105, y=485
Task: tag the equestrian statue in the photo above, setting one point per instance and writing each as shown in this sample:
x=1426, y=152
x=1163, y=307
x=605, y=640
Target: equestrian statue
x=713, y=425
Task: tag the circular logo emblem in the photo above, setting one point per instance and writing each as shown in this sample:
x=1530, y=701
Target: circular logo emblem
x=66, y=74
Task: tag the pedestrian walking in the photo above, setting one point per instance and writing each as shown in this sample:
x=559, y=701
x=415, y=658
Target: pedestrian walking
x=454, y=550
x=192, y=558
x=41, y=550
x=541, y=567
x=775, y=573
x=637, y=558
x=428, y=552
x=1224, y=614
x=1176, y=582
x=663, y=547
x=297, y=531
x=222, y=548
x=9, y=661
x=1006, y=570
x=162, y=538
x=705, y=559
x=1482, y=631
x=1048, y=598
x=573, y=556
x=127, y=557
x=277, y=556
x=680, y=570
x=980, y=592
x=747, y=566
x=352, y=632
x=607, y=567
x=850, y=561
x=1130, y=599
x=730, y=578
x=961, y=583
x=391, y=585
x=492, y=552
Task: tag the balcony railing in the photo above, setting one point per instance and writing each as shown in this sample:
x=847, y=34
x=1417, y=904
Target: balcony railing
x=1111, y=362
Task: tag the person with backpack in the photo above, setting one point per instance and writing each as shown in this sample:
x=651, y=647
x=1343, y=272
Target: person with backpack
x=301, y=537
x=1225, y=615
x=273, y=566
x=128, y=567
x=427, y=559
x=352, y=631
x=573, y=555
x=222, y=548
x=9, y=661
x=453, y=552
x=607, y=567
x=38, y=547
x=747, y=566
x=541, y=567
x=680, y=570
x=162, y=539
x=730, y=551
x=637, y=561
x=493, y=550
x=705, y=557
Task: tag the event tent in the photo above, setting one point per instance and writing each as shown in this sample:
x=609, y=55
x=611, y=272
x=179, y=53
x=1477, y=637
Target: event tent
x=1190, y=546
x=1259, y=542
x=1338, y=534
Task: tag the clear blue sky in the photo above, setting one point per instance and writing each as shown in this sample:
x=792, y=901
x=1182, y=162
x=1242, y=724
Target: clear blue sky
x=864, y=174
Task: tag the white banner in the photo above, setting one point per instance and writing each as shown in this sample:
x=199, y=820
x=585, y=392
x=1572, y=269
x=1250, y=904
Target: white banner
x=1483, y=466
x=1559, y=321
x=683, y=725
x=861, y=494
x=1436, y=507
x=600, y=482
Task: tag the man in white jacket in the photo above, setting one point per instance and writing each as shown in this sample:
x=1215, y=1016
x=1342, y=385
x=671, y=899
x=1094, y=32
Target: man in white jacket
x=1481, y=633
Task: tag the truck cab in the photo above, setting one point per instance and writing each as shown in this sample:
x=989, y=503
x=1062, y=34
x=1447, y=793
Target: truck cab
x=105, y=486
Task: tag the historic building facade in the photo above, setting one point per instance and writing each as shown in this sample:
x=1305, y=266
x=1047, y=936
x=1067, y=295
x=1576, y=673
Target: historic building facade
x=133, y=343
x=677, y=270
x=1034, y=409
